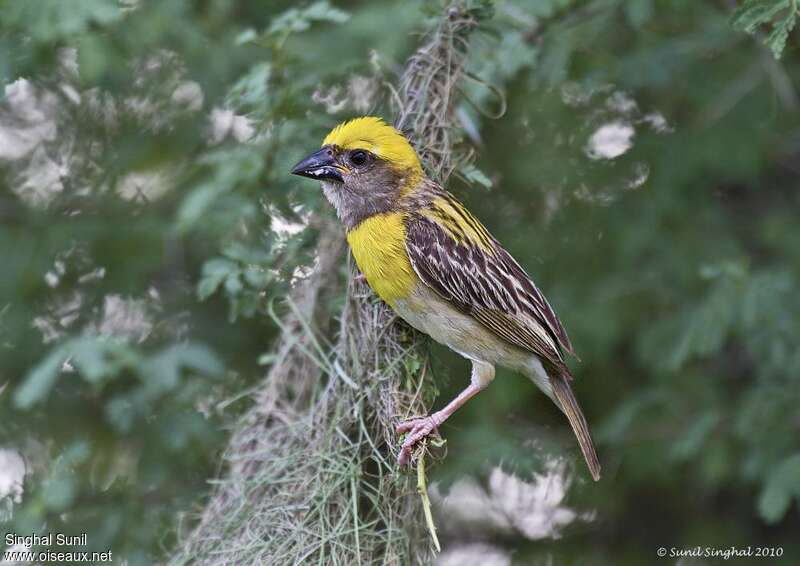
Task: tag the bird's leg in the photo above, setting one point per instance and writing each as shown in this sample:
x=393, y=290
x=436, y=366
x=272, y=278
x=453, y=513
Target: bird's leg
x=417, y=429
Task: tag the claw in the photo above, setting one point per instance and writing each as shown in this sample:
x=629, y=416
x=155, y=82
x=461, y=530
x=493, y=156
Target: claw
x=417, y=429
x=405, y=426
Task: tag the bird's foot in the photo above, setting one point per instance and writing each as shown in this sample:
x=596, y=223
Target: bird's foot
x=416, y=430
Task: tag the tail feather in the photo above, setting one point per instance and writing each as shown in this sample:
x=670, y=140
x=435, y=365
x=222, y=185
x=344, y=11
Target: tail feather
x=569, y=404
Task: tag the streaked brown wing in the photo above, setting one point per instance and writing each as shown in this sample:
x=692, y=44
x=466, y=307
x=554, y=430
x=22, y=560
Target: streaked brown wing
x=486, y=283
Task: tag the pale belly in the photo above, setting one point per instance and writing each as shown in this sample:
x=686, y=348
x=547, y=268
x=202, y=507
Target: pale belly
x=429, y=313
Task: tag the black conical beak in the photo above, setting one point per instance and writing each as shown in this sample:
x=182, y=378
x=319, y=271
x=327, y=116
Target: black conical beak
x=320, y=165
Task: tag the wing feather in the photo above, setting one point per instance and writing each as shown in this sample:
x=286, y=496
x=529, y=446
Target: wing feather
x=455, y=256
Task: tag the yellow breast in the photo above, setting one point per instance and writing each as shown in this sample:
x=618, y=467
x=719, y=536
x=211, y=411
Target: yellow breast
x=379, y=248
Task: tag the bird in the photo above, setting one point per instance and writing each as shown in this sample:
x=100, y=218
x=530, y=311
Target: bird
x=427, y=257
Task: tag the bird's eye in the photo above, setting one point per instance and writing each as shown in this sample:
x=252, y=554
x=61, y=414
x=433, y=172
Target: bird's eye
x=359, y=157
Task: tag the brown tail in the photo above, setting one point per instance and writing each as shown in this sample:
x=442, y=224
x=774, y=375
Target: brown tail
x=569, y=405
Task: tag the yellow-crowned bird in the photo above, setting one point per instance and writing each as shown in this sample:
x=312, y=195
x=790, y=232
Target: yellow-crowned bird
x=440, y=270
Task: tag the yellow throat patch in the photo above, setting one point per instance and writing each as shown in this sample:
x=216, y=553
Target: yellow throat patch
x=376, y=136
x=379, y=248
x=379, y=242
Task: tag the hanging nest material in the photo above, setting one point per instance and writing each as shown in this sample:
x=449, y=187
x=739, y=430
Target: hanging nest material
x=310, y=472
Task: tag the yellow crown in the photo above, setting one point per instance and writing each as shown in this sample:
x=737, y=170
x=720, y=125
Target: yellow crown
x=376, y=136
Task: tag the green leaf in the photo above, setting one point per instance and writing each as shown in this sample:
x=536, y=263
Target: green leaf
x=481, y=9
x=616, y=427
x=121, y=413
x=40, y=380
x=207, y=287
x=780, y=33
x=59, y=492
x=51, y=20
x=229, y=168
x=247, y=254
x=60, y=488
x=99, y=359
x=246, y=36
x=215, y=271
x=195, y=205
x=708, y=324
x=257, y=277
x=296, y=20
x=475, y=176
x=323, y=11
x=639, y=12
x=162, y=372
x=267, y=359
x=753, y=13
x=692, y=440
x=250, y=91
x=233, y=285
x=95, y=359
x=780, y=15
x=413, y=365
x=782, y=484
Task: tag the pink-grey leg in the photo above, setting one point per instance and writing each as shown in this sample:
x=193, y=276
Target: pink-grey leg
x=417, y=429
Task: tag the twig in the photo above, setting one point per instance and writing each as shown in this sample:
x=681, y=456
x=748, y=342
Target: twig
x=422, y=489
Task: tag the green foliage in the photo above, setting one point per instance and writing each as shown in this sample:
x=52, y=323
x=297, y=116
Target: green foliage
x=296, y=20
x=778, y=15
x=100, y=360
x=782, y=485
x=639, y=12
x=243, y=274
x=215, y=196
x=51, y=20
x=475, y=176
